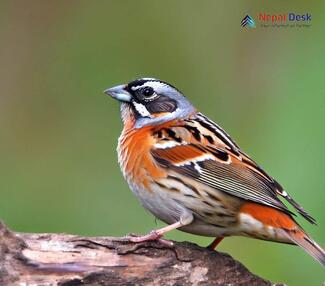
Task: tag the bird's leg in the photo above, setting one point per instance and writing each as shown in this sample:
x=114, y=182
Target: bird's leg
x=156, y=234
x=215, y=243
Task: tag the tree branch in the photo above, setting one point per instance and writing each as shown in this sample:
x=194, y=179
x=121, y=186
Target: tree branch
x=70, y=260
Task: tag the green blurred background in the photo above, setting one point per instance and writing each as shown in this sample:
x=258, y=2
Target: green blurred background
x=266, y=87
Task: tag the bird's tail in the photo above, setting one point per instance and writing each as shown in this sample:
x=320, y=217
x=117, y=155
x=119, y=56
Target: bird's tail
x=287, y=229
x=300, y=238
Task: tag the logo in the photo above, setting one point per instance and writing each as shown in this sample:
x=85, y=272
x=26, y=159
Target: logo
x=278, y=20
x=291, y=17
x=248, y=21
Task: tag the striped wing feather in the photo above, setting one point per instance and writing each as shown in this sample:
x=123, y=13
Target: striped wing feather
x=229, y=178
x=212, y=158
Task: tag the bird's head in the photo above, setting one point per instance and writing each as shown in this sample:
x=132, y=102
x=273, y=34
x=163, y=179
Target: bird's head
x=149, y=101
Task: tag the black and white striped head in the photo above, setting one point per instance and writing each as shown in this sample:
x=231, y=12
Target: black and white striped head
x=150, y=101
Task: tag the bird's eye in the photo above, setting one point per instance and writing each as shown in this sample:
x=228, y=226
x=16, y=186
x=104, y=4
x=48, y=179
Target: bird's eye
x=148, y=91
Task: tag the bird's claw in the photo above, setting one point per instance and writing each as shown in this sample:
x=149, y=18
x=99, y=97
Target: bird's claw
x=153, y=235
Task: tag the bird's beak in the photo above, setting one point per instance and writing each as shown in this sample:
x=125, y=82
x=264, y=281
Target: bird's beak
x=119, y=93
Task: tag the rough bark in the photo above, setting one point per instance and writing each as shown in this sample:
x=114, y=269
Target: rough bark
x=70, y=260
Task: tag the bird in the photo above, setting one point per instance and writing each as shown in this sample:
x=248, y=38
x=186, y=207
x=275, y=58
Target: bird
x=189, y=173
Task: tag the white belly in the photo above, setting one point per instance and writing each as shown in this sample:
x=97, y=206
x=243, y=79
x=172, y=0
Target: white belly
x=168, y=207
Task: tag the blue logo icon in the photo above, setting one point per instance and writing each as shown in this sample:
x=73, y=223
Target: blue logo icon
x=248, y=21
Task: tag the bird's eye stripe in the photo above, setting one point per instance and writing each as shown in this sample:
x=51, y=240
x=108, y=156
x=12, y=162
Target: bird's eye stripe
x=138, y=84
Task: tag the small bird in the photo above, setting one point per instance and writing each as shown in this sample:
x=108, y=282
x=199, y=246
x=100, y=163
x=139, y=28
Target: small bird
x=188, y=172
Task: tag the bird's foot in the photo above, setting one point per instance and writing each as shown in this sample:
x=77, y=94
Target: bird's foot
x=153, y=235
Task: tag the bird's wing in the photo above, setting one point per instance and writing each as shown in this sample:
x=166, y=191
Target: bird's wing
x=201, y=150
